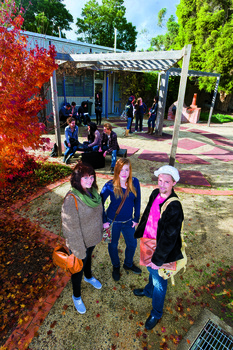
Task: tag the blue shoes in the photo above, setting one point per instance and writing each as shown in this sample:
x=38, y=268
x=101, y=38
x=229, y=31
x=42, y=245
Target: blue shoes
x=94, y=282
x=79, y=306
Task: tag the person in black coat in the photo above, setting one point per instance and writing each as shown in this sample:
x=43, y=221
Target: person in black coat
x=98, y=109
x=167, y=232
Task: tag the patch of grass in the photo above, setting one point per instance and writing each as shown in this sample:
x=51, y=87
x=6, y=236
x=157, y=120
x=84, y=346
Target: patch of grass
x=216, y=118
x=49, y=172
x=23, y=186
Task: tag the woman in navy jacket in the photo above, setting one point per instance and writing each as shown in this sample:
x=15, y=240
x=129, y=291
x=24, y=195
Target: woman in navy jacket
x=128, y=216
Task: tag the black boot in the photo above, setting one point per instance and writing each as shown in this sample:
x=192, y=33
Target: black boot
x=64, y=159
x=116, y=273
x=68, y=158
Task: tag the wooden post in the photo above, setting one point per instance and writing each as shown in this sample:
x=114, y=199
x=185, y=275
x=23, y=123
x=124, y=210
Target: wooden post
x=213, y=100
x=53, y=82
x=182, y=88
x=162, y=103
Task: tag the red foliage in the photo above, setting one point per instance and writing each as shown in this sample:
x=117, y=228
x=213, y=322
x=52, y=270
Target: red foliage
x=23, y=71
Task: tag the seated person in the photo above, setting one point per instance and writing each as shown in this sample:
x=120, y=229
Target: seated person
x=109, y=144
x=83, y=113
x=65, y=112
x=74, y=111
x=71, y=140
x=94, y=138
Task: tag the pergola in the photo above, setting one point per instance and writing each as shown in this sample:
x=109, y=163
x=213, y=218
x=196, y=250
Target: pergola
x=139, y=62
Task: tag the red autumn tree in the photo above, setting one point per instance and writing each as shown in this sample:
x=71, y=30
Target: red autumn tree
x=23, y=71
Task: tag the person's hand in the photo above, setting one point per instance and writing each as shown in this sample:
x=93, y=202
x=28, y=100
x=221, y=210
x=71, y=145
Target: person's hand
x=106, y=225
x=69, y=145
x=134, y=224
x=104, y=154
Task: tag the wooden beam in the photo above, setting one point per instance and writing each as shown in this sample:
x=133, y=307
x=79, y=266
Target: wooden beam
x=182, y=88
x=53, y=83
x=132, y=56
x=162, y=103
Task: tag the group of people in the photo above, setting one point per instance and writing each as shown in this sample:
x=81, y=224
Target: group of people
x=138, y=109
x=107, y=143
x=83, y=226
x=81, y=114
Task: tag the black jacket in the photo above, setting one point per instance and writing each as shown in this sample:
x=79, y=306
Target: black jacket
x=113, y=144
x=169, y=243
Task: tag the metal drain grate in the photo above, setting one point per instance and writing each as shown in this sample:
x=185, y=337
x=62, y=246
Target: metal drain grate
x=212, y=337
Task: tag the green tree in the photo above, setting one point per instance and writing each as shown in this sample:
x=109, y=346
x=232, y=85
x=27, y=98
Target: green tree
x=98, y=23
x=167, y=40
x=208, y=26
x=45, y=16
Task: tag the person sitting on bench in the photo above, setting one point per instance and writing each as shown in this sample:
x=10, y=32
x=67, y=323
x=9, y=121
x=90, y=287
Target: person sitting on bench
x=94, y=138
x=109, y=144
x=65, y=112
x=83, y=113
x=71, y=140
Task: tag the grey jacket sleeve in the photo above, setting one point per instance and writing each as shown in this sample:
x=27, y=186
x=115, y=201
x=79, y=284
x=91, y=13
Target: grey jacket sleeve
x=71, y=227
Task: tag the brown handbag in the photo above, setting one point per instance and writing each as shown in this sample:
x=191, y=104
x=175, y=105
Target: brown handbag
x=62, y=258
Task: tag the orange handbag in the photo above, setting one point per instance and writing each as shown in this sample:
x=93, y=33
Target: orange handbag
x=66, y=261
x=62, y=257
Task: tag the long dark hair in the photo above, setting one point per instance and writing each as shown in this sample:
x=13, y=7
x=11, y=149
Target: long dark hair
x=80, y=170
x=93, y=128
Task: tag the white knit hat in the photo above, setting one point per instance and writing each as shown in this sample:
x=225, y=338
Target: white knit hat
x=169, y=170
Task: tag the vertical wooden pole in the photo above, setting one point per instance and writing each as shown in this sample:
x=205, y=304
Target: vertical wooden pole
x=182, y=88
x=162, y=103
x=53, y=83
x=213, y=100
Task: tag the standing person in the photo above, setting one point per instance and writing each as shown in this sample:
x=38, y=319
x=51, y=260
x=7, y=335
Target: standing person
x=98, y=109
x=129, y=112
x=128, y=216
x=109, y=144
x=71, y=140
x=152, y=116
x=94, y=138
x=82, y=226
x=167, y=231
x=140, y=111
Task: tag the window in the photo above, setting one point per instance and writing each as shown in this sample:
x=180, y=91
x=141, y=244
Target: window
x=80, y=85
x=99, y=75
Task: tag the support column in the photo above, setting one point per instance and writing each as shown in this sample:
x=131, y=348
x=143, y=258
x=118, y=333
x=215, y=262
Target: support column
x=162, y=103
x=106, y=98
x=53, y=83
x=213, y=100
x=182, y=88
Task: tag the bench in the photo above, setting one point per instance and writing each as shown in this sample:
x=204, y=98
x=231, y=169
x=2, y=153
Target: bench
x=122, y=153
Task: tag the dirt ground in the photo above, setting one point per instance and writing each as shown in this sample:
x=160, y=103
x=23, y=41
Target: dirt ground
x=115, y=318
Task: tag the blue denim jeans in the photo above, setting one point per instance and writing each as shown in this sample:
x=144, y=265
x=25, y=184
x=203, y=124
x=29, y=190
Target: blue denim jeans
x=70, y=150
x=156, y=289
x=131, y=242
x=151, y=121
x=129, y=122
x=113, y=154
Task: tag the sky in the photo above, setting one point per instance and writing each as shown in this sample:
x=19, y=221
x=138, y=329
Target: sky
x=143, y=15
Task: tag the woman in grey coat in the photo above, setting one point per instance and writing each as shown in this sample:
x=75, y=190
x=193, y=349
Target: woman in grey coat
x=82, y=226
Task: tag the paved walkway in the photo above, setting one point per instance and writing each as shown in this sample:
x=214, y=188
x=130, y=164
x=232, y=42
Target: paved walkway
x=204, y=159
